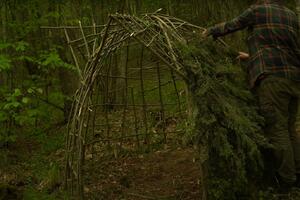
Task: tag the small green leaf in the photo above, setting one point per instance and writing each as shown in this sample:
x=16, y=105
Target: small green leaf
x=26, y=58
x=25, y=100
x=15, y=104
x=39, y=90
x=30, y=90
x=33, y=113
x=51, y=59
x=6, y=106
x=5, y=45
x=17, y=93
x=3, y=116
x=11, y=138
x=33, y=90
x=21, y=46
x=5, y=63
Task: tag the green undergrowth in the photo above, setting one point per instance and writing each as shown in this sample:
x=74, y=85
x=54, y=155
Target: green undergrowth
x=226, y=123
x=34, y=167
x=46, y=167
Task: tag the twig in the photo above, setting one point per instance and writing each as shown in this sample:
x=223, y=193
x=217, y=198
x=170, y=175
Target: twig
x=141, y=196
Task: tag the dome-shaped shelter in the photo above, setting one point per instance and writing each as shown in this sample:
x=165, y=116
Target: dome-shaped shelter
x=133, y=95
x=132, y=88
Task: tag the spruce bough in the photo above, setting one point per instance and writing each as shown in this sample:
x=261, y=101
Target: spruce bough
x=226, y=123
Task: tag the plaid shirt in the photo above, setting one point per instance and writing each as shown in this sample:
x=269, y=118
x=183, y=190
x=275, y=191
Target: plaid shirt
x=272, y=40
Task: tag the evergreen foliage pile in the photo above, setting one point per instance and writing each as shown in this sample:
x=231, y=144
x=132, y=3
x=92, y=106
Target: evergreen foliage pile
x=226, y=124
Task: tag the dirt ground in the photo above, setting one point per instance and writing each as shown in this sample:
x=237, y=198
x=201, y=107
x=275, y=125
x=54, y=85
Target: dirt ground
x=164, y=175
x=169, y=174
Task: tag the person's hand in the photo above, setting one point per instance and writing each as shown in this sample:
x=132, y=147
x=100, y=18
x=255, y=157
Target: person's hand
x=243, y=56
x=205, y=33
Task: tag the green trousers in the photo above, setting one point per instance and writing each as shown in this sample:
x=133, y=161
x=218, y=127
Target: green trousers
x=279, y=101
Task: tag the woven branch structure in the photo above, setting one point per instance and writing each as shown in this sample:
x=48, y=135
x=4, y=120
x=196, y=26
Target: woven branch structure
x=115, y=105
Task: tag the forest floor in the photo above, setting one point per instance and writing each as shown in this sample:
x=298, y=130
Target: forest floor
x=165, y=175
x=34, y=169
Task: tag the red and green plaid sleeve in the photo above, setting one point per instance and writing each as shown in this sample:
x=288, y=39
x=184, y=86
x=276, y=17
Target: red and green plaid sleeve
x=244, y=20
x=272, y=40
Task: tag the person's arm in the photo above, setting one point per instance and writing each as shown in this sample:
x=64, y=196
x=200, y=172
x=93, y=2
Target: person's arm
x=244, y=20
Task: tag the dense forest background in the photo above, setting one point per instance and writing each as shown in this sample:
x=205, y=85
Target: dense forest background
x=38, y=79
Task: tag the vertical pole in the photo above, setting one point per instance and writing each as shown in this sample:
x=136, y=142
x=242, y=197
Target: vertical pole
x=95, y=41
x=126, y=94
x=176, y=90
x=85, y=41
x=73, y=54
x=146, y=138
x=114, y=72
x=298, y=10
x=126, y=73
x=135, y=117
x=95, y=108
x=106, y=106
x=162, y=109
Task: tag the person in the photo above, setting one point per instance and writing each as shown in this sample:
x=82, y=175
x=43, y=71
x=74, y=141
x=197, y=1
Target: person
x=274, y=74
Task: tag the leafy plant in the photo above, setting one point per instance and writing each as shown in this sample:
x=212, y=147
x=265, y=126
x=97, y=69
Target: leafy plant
x=227, y=126
x=50, y=60
x=5, y=63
